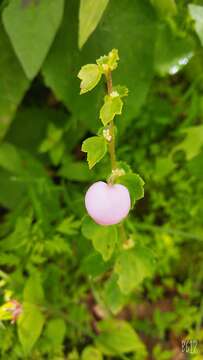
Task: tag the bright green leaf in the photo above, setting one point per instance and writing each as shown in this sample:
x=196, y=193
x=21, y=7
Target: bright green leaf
x=104, y=238
x=108, y=62
x=112, y=107
x=132, y=266
x=89, y=75
x=96, y=148
x=196, y=12
x=30, y=325
x=135, y=185
x=32, y=30
x=90, y=14
x=91, y=353
x=118, y=337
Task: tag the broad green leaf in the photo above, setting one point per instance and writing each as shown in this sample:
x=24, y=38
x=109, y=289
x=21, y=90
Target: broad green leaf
x=113, y=297
x=10, y=158
x=135, y=185
x=90, y=14
x=132, y=266
x=192, y=143
x=172, y=52
x=112, y=107
x=196, y=12
x=13, y=83
x=118, y=337
x=104, y=238
x=33, y=291
x=91, y=353
x=30, y=325
x=12, y=192
x=96, y=148
x=32, y=30
x=55, y=332
x=138, y=23
x=89, y=75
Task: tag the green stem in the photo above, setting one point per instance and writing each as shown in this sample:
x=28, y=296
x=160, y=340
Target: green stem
x=112, y=147
x=112, y=151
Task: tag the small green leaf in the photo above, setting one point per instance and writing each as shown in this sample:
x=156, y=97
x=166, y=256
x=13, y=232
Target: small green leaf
x=135, y=185
x=118, y=337
x=91, y=353
x=196, y=12
x=96, y=148
x=90, y=14
x=112, y=107
x=89, y=75
x=121, y=90
x=132, y=266
x=108, y=62
x=42, y=18
x=104, y=238
x=30, y=326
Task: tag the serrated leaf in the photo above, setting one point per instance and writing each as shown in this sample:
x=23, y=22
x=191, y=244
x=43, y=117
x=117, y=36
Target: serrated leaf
x=132, y=266
x=104, y=238
x=91, y=353
x=89, y=75
x=42, y=18
x=90, y=14
x=96, y=148
x=121, y=90
x=112, y=107
x=109, y=61
x=196, y=12
x=30, y=324
x=13, y=82
x=118, y=337
x=135, y=185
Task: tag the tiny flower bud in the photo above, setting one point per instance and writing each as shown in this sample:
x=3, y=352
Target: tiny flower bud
x=114, y=94
x=106, y=135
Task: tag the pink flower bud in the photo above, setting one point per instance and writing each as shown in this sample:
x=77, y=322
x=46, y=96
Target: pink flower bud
x=107, y=204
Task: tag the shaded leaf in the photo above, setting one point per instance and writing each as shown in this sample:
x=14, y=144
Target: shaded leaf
x=135, y=185
x=42, y=19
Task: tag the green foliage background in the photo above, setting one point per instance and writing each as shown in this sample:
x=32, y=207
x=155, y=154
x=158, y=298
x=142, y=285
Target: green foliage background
x=82, y=298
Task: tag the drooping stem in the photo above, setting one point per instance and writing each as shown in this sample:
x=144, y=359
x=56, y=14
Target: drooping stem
x=112, y=151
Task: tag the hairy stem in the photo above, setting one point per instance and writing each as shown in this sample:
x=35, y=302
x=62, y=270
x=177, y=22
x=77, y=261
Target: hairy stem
x=112, y=148
x=112, y=151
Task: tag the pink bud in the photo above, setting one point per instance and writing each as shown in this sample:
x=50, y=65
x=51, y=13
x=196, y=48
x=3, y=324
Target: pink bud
x=107, y=204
